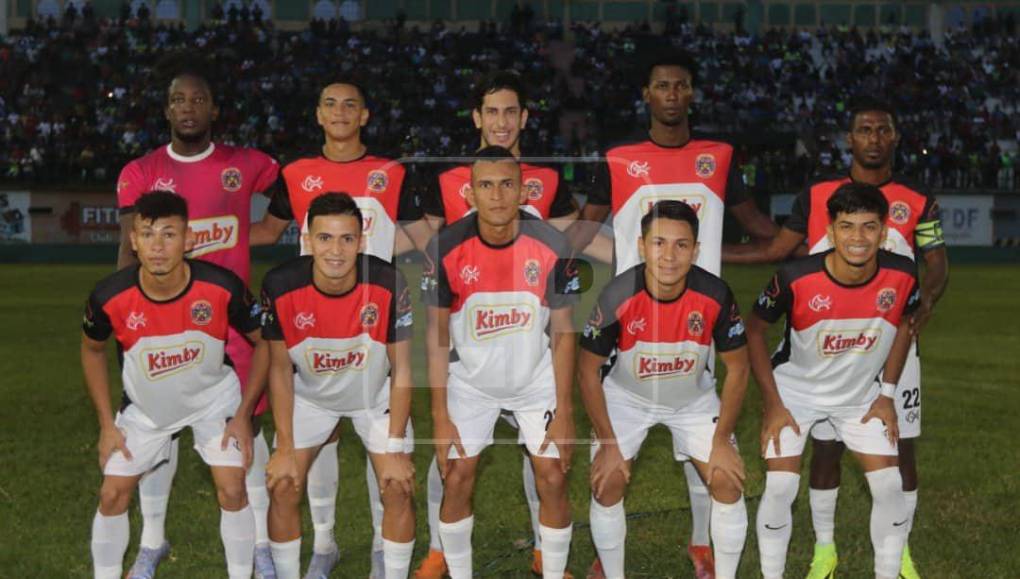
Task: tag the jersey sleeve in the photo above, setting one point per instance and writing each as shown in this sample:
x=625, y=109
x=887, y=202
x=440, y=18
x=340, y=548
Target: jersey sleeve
x=602, y=330
x=928, y=233
x=244, y=311
x=430, y=193
x=271, y=329
x=798, y=220
x=435, y=285
x=96, y=323
x=728, y=333
x=130, y=185
x=736, y=190
x=401, y=311
x=409, y=204
x=600, y=192
x=563, y=202
x=279, y=202
x=775, y=300
x=267, y=174
x=564, y=284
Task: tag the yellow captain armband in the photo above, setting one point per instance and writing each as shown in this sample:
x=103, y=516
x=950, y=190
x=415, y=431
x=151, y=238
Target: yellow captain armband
x=928, y=235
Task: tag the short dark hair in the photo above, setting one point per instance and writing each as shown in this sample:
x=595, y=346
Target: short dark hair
x=159, y=204
x=867, y=103
x=857, y=198
x=334, y=203
x=497, y=81
x=349, y=81
x=670, y=209
x=183, y=63
x=671, y=58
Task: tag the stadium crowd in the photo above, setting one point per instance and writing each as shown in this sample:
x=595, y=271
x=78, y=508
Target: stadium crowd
x=77, y=97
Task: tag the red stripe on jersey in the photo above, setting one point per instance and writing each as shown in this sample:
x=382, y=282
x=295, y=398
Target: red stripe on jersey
x=474, y=267
x=818, y=298
x=689, y=318
x=647, y=164
x=541, y=184
x=906, y=207
x=308, y=313
x=370, y=176
x=203, y=308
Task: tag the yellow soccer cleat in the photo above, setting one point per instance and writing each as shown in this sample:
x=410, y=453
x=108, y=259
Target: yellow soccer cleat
x=823, y=565
x=907, y=569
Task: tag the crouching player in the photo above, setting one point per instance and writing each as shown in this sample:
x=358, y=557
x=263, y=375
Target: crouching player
x=171, y=316
x=662, y=317
x=343, y=320
x=847, y=320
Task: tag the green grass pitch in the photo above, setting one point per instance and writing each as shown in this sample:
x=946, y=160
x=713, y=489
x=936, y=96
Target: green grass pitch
x=969, y=458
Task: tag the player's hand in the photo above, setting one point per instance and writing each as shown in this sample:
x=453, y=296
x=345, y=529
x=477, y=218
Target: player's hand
x=726, y=461
x=239, y=428
x=112, y=439
x=920, y=318
x=884, y=409
x=777, y=417
x=446, y=436
x=281, y=468
x=561, y=431
x=396, y=468
x=608, y=460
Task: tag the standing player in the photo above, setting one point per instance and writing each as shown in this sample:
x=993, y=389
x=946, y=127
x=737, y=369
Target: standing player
x=914, y=228
x=661, y=318
x=670, y=163
x=343, y=319
x=218, y=181
x=494, y=282
x=170, y=318
x=381, y=189
x=848, y=320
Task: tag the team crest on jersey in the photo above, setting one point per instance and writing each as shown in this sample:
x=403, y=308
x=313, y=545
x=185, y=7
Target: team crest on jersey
x=636, y=326
x=886, y=299
x=638, y=169
x=369, y=315
x=899, y=212
x=704, y=165
x=304, y=320
x=377, y=181
x=136, y=320
x=201, y=313
x=312, y=183
x=820, y=303
x=695, y=323
x=162, y=362
x=534, y=187
x=164, y=184
x=469, y=274
x=231, y=179
x=532, y=272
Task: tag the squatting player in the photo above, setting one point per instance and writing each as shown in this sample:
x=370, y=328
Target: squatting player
x=494, y=282
x=343, y=320
x=661, y=318
x=218, y=181
x=170, y=316
x=914, y=228
x=848, y=314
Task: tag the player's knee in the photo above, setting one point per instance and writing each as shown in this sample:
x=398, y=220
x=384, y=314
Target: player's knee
x=285, y=495
x=552, y=480
x=114, y=499
x=396, y=499
x=724, y=490
x=612, y=490
x=459, y=480
x=232, y=496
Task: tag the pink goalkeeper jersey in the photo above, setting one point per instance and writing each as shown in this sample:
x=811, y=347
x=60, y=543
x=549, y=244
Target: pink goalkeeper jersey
x=218, y=185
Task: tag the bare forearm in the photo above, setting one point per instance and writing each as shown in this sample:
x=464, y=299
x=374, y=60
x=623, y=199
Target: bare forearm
x=734, y=389
x=437, y=348
x=593, y=397
x=258, y=376
x=898, y=354
x=97, y=382
x=936, y=278
x=281, y=399
x=563, y=349
x=761, y=366
x=401, y=385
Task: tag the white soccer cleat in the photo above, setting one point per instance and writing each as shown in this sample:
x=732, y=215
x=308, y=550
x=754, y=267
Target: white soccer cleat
x=147, y=561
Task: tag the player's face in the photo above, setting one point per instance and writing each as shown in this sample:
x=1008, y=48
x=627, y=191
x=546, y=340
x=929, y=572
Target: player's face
x=334, y=241
x=159, y=243
x=190, y=109
x=501, y=119
x=496, y=191
x=873, y=139
x=341, y=112
x=669, y=249
x=857, y=237
x=669, y=94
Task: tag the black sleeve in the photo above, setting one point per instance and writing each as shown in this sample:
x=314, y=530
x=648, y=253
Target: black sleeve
x=736, y=191
x=564, y=285
x=95, y=323
x=728, y=333
x=600, y=191
x=409, y=205
x=244, y=311
x=798, y=220
x=602, y=330
x=775, y=300
x=401, y=311
x=430, y=193
x=914, y=301
x=271, y=329
x=279, y=201
x=563, y=203
x=435, y=286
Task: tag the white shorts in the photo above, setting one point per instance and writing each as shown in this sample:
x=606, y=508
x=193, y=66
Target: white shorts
x=313, y=425
x=907, y=401
x=692, y=427
x=475, y=419
x=151, y=446
x=868, y=438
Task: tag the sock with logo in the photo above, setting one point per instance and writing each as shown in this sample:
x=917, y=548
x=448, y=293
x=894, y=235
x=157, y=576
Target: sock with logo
x=435, y=500
x=888, y=520
x=911, y=499
x=374, y=504
x=456, y=539
x=397, y=558
x=729, y=529
x=255, y=484
x=609, y=533
x=531, y=493
x=555, y=550
x=323, y=478
x=775, y=521
x=153, y=496
x=823, y=514
x=109, y=542
x=287, y=558
x=237, y=530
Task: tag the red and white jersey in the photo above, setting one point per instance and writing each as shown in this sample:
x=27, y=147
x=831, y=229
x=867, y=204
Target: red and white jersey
x=500, y=299
x=337, y=343
x=913, y=222
x=174, y=363
x=378, y=185
x=445, y=193
x=634, y=176
x=662, y=347
x=837, y=337
x=218, y=185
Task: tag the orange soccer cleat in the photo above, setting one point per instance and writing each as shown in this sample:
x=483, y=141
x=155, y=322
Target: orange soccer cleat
x=536, y=565
x=703, y=560
x=433, y=567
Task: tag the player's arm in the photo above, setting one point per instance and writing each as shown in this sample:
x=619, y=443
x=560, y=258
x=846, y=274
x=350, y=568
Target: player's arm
x=239, y=427
x=731, y=344
x=755, y=223
x=608, y=458
x=97, y=381
x=933, y=285
x=778, y=248
x=600, y=247
x=398, y=468
x=561, y=429
x=417, y=233
x=282, y=464
x=437, y=347
x=583, y=231
x=278, y=216
x=884, y=407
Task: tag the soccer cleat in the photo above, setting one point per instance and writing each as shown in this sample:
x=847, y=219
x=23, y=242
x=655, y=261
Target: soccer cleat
x=823, y=564
x=596, y=572
x=322, y=564
x=433, y=567
x=536, y=565
x=703, y=560
x=264, y=568
x=147, y=561
x=907, y=569
x=378, y=566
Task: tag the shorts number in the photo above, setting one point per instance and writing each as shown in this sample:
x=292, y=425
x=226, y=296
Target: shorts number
x=549, y=414
x=911, y=398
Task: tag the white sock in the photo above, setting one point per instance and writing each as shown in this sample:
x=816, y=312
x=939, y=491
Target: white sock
x=323, y=479
x=456, y=538
x=701, y=504
x=397, y=558
x=153, y=495
x=109, y=542
x=287, y=558
x=531, y=493
x=255, y=484
x=888, y=520
x=775, y=521
x=555, y=550
x=435, y=500
x=609, y=533
x=911, y=499
x=729, y=529
x=237, y=530
x=374, y=504
x=823, y=514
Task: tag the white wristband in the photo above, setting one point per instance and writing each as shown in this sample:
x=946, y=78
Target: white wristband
x=395, y=445
x=888, y=389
